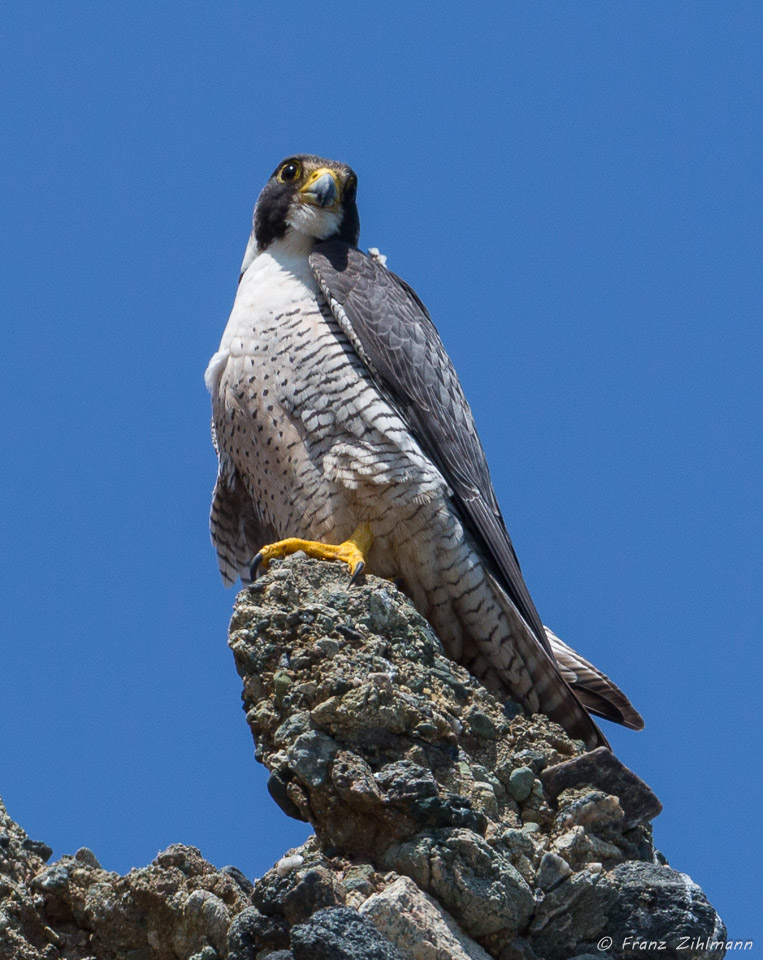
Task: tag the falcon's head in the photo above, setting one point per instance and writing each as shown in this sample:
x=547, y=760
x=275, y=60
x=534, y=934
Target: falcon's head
x=308, y=196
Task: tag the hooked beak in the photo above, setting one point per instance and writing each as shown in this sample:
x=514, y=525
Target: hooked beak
x=321, y=189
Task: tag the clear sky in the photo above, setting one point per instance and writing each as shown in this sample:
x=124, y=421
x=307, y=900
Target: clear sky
x=572, y=188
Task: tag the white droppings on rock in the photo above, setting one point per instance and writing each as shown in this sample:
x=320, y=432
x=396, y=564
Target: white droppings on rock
x=287, y=865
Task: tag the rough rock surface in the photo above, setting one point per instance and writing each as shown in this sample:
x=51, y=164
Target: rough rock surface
x=178, y=906
x=448, y=825
x=418, y=925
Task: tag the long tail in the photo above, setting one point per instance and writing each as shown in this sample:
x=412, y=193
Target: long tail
x=534, y=677
x=596, y=692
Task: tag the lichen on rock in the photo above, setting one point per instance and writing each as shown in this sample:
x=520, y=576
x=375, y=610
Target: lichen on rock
x=448, y=824
x=403, y=762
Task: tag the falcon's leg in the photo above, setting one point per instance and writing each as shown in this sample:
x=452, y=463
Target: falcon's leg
x=353, y=551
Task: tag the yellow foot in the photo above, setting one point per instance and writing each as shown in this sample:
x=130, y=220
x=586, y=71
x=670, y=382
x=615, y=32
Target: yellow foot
x=353, y=551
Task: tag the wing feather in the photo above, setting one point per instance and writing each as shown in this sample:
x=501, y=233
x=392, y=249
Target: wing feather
x=393, y=334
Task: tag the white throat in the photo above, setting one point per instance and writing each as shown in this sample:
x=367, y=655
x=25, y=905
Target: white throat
x=274, y=280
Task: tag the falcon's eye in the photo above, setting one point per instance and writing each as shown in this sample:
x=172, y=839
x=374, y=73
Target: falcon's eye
x=289, y=172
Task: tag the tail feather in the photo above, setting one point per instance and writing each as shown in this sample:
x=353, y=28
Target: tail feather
x=551, y=690
x=595, y=690
x=237, y=534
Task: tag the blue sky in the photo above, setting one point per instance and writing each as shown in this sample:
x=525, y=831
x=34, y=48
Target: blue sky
x=573, y=189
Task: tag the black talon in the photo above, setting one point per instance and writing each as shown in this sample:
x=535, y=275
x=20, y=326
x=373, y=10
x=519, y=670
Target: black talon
x=357, y=574
x=255, y=567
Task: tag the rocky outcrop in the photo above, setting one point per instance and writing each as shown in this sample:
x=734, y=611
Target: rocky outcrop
x=178, y=906
x=448, y=825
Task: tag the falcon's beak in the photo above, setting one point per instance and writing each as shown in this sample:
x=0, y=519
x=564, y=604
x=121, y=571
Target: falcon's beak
x=322, y=189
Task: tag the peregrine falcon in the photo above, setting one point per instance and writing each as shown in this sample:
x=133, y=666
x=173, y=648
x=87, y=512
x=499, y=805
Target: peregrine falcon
x=340, y=424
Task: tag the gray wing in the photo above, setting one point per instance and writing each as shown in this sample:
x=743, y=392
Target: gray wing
x=393, y=334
